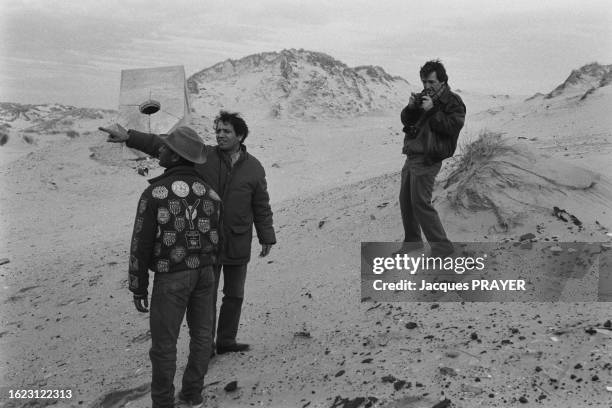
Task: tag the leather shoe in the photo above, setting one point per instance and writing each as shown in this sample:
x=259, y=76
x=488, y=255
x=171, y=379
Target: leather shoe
x=232, y=348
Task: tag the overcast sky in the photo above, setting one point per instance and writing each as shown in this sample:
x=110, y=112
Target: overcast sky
x=73, y=51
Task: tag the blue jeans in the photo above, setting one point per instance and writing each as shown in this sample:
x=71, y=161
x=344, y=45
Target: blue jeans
x=175, y=294
x=234, y=277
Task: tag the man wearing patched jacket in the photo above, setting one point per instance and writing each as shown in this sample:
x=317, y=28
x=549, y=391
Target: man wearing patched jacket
x=176, y=235
x=240, y=180
x=432, y=122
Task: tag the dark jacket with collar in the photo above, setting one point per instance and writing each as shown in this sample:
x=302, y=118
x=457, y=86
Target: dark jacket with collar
x=176, y=226
x=243, y=190
x=441, y=124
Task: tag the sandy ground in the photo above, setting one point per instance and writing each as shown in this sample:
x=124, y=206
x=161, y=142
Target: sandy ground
x=68, y=321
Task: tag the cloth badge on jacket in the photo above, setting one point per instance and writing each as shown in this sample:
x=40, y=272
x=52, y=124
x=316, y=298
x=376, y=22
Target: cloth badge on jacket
x=198, y=189
x=163, y=215
x=212, y=194
x=208, y=207
x=138, y=225
x=193, y=240
x=214, y=237
x=180, y=223
x=133, y=263
x=163, y=265
x=134, y=246
x=142, y=206
x=174, y=206
x=191, y=212
x=177, y=254
x=193, y=261
x=169, y=238
x=203, y=225
x=160, y=192
x=180, y=188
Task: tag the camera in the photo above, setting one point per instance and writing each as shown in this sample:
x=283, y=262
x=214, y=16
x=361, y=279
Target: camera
x=418, y=98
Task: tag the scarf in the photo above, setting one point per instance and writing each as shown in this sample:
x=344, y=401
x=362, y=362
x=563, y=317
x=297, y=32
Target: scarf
x=436, y=95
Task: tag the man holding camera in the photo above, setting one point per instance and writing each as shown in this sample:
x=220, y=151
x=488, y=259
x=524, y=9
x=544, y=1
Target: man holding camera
x=432, y=122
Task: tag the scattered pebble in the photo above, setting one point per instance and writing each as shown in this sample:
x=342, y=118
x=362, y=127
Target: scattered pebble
x=399, y=385
x=448, y=371
x=231, y=386
x=411, y=325
x=446, y=403
x=4, y=261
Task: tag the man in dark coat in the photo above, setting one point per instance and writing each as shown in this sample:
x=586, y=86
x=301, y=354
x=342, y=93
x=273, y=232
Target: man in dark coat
x=432, y=122
x=240, y=179
x=176, y=235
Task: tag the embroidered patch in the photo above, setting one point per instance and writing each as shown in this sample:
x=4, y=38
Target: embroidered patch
x=212, y=194
x=133, y=263
x=214, y=237
x=142, y=206
x=198, y=189
x=191, y=212
x=169, y=238
x=163, y=265
x=177, y=254
x=174, y=206
x=157, y=249
x=208, y=207
x=180, y=188
x=138, y=225
x=134, y=246
x=160, y=192
x=203, y=225
x=207, y=248
x=133, y=281
x=193, y=261
x=179, y=223
x=163, y=215
x=193, y=240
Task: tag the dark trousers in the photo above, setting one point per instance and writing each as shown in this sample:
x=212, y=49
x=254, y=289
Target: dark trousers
x=234, y=277
x=415, y=203
x=175, y=294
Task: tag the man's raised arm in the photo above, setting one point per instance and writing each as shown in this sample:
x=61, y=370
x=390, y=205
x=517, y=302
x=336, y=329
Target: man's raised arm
x=148, y=143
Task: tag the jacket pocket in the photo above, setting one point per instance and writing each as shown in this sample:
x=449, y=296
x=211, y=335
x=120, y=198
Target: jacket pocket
x=238, y=241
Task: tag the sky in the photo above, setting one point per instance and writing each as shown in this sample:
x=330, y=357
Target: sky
x=72, y=52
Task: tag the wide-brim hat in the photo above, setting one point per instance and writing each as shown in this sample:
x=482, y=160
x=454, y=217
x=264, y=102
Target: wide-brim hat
x=185, y=142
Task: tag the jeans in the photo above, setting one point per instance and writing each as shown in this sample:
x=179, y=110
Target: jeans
x=415, y=203
x=175, y=294
x=234, y=277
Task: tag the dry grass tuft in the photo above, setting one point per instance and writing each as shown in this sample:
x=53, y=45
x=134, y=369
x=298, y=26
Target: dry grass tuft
x=471, y=177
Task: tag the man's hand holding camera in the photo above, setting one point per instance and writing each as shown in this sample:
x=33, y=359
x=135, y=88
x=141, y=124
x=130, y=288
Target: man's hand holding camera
x=426, y=103
x=420, y=100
